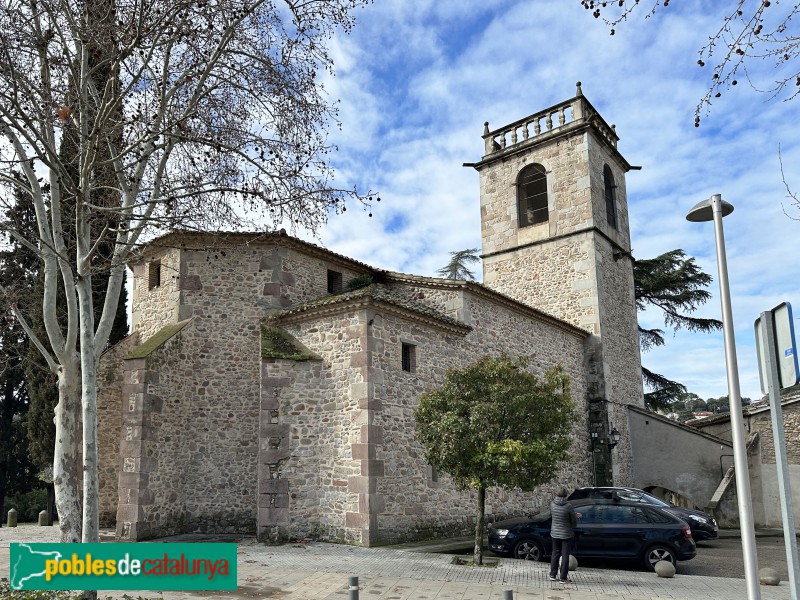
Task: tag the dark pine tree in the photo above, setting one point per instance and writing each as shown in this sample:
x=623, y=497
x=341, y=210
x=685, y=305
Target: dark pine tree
x=18, y=269
x=674, y=284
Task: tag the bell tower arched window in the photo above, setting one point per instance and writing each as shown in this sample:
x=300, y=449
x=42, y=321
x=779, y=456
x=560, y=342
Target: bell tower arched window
x=532, y=195
x=611, y=201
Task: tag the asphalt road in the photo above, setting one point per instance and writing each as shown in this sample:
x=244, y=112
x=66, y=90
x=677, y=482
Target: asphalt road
x=722, y=558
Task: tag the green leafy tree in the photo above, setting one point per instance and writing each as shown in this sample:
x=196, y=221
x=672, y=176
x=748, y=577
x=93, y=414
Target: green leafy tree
x=458, y=267
x=494, y=423
x=697, y=405
x=673, y=283
x=718, y=405
x=723, y=405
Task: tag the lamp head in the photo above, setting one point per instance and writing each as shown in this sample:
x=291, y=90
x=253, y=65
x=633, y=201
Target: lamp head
x=613, y=438
x=704, y=210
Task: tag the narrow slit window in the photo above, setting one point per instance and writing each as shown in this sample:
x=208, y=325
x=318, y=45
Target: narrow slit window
x=334, y=282
x=611, y=201
x=409, y=353
x=153, y=274
x=532, y=196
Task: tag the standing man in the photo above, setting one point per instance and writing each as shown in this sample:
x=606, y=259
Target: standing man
x=564, y=519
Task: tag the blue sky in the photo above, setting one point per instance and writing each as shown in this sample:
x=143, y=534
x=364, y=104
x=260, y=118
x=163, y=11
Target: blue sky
x=416, y=79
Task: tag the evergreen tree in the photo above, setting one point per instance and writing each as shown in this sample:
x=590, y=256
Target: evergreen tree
x=674, y=284
x=457, y=267
x=18, y=269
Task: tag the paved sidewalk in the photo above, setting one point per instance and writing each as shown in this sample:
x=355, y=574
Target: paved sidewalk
x=318, y=571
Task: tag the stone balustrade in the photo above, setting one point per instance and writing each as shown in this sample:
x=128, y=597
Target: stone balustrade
x=572, y=112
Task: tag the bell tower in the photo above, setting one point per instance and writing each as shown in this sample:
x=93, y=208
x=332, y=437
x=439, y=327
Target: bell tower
x=555, y=235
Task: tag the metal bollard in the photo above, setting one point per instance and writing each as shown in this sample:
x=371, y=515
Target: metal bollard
x=508, y=594
x=12, y=517
x=353, y=587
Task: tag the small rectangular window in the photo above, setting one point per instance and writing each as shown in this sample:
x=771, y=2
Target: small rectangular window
x=409, y=358
x=153, y=274
x=334, y=282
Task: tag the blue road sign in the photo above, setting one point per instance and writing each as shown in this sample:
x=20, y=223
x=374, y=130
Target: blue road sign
x=785, y=345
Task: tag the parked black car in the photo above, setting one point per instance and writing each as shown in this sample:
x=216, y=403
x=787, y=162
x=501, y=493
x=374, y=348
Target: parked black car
x=703, y=525
x=606, y=529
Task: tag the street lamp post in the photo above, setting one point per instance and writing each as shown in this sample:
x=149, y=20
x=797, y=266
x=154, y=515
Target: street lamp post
x=714, y=209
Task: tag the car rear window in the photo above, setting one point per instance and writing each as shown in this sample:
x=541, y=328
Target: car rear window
x=656, y=516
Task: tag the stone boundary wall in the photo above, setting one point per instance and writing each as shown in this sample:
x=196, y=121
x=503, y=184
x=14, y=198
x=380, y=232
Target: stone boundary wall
x=762, y=422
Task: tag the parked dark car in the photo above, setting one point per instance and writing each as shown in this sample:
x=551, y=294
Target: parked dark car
x=606, y=529
x=703, y=525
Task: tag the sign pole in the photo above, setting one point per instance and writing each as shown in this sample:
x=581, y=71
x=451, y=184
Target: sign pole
x=770, y=354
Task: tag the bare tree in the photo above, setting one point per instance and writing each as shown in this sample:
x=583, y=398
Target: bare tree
x=790, y=194
x=749, y=30
x=176, y=114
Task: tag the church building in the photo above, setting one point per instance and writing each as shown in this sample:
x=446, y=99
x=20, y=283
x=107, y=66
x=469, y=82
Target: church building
x=269, y=384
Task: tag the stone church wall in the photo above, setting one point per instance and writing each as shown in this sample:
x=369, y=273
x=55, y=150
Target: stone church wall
x=621, y=353
x=246, y=282
x=416, y=505
x=109, y=425
x=315, y=401
x=155, y=307
x=201, y=274
x=600, y=156
x=556, y=276
x=189, y=446
x=192, y=463
x=568, y=193
x=356, y=472
x=616, y=308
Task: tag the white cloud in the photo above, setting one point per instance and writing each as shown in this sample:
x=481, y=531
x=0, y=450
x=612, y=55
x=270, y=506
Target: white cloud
x=417, y=79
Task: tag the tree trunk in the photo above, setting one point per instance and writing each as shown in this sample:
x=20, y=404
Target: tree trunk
x=6, y=422
x=91, y=485
x=65, y=458
x=3, y=476
x=477, y=556
x=51, y=503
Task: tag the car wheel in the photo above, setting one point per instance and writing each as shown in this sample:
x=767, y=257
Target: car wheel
x=529, y=550
x=658, y=553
